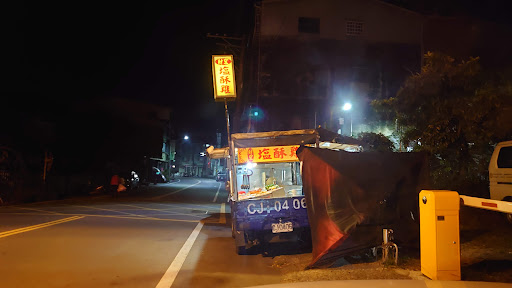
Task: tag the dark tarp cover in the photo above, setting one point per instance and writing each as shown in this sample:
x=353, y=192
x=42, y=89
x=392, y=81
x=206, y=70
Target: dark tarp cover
x=274, y=138
x=290, y=137
x=351, y=197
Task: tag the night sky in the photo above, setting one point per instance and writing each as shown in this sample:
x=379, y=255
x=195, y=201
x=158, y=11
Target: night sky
x=151, y=51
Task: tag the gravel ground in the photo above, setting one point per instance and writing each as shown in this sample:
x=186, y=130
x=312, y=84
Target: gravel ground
x=486, y=255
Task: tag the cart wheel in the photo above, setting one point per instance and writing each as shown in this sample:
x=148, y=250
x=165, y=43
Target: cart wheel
x=240, y=250
x=233, y=228
x=508, y=216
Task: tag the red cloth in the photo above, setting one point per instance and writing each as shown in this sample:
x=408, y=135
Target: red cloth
x=114, y=180
x=319, y=178
x=351, y=197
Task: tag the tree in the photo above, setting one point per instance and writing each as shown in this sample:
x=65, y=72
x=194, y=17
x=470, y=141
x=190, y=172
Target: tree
x=376, y=142
x=455, y=111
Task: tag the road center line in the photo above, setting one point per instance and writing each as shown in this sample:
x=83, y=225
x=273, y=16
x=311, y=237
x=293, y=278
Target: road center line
x=34, y=227
x=216, y=194
x=111, y=210
x=40, y=210
x=172, y=271
x=163, y=212
x=111, y=216
x=152, y=209
x=173, y=192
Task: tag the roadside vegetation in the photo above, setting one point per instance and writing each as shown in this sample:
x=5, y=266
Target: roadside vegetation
x=376, y=142
x=456, y=111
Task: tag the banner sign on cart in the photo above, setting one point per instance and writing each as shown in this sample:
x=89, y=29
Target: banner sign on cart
x=224, y=87
x=268, y=154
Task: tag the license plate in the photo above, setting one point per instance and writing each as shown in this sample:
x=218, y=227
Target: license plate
x=282, y=227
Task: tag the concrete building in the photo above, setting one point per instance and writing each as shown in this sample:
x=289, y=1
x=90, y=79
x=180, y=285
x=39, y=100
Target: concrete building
x=313, y=56
x=191, y=158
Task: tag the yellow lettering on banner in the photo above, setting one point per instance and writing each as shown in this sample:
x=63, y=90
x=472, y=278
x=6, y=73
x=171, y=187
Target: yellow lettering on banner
x=268, y=154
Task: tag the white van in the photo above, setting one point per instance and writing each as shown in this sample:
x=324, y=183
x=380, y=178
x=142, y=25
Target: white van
x=500, y=172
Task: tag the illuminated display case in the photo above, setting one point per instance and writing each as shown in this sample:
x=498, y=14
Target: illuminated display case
x=268, y=180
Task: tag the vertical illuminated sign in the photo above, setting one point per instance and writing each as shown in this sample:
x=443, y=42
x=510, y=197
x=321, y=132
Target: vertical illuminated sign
x=223, y=71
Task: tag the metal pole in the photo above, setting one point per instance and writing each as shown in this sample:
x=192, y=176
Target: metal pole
x=227, y=119
x=45, y=165
x=350, y=123
x=228, y=160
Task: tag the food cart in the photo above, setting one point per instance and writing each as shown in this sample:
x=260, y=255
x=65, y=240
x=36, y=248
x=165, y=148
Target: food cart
x=266, y=197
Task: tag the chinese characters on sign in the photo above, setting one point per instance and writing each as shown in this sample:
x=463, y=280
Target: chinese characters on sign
x=223, y=77
x=268, y=154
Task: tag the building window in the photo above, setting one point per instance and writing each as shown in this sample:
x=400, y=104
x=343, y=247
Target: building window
x=309, y=25
x=354, y=28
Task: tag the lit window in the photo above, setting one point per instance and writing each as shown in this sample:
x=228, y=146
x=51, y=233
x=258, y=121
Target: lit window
x=354, y=28
x=309, y=25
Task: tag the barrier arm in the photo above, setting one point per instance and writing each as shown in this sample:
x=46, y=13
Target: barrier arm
x=489, y=204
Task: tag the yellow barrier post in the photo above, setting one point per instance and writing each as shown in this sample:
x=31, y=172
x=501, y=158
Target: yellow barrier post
x=439, y=234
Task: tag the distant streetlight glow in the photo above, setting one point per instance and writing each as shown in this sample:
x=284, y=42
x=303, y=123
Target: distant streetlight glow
x=186, y=137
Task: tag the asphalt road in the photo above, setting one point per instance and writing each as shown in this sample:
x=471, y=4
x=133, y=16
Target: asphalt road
x=166, y=235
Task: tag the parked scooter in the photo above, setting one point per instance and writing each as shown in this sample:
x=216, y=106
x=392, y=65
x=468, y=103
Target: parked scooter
x=157, y=176
x=125, y=183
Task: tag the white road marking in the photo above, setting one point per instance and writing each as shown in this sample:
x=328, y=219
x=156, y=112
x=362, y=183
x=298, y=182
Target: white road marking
x=222, y=218
x=216, y=194
x=192, y=206
x=172, y=271
x=173, y=192
x=39, y=226
x=40, y=210
x=109, y=216
x=164, y=211
x=110, y=210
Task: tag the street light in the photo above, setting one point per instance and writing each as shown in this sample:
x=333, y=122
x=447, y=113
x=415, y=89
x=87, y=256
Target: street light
x=186, y=137
x=347, y=107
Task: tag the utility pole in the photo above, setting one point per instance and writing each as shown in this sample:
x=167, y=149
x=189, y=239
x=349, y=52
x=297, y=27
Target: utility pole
x=235, y=46
x=227, y=120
